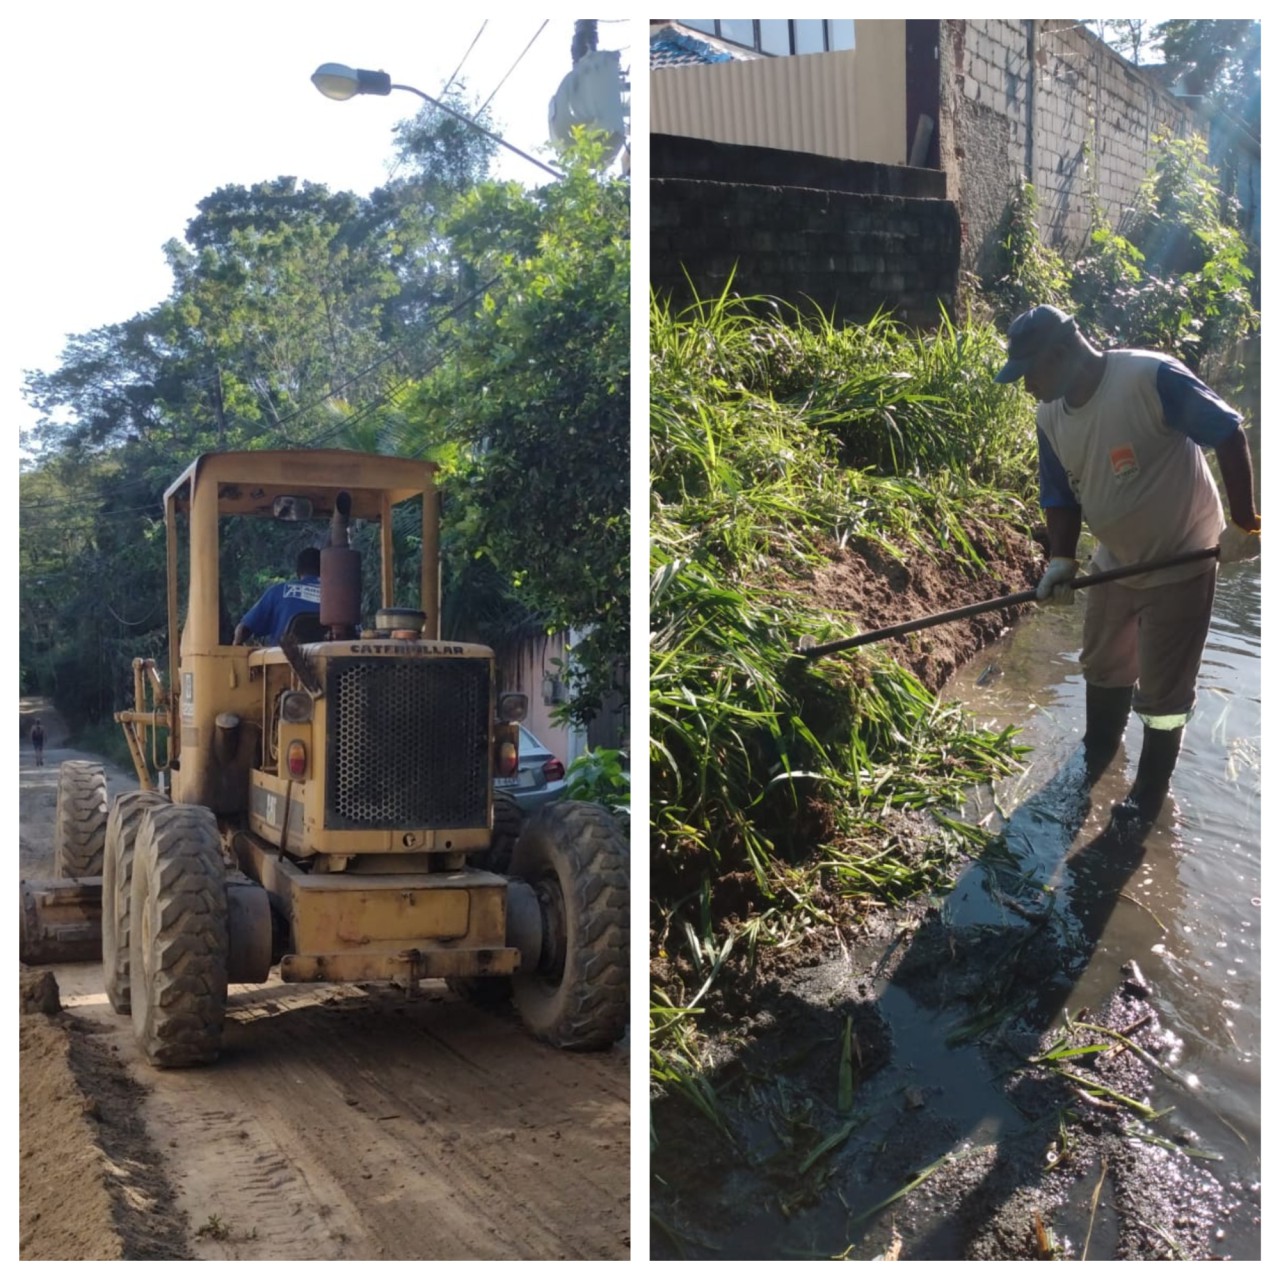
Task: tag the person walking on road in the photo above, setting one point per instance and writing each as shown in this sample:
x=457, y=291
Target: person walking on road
x=37, y=742
x=1121, y=437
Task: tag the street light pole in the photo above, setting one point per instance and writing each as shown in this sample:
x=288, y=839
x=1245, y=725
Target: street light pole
x=340, y=83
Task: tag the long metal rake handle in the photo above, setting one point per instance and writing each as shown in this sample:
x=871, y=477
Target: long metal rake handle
x=1000, y=602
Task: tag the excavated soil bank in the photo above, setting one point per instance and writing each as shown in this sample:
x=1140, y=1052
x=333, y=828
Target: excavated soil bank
x=79, y=1126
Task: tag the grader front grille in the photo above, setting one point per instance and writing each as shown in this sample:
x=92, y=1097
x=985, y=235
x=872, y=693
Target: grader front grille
x=408, y=743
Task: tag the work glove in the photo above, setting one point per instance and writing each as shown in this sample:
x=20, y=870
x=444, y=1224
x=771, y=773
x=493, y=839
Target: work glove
x=1052, y=588
x=1239, y=544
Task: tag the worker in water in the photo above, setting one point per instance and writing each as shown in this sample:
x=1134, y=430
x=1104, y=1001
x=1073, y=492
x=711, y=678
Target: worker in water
x=278, y=604
x=1121, y=436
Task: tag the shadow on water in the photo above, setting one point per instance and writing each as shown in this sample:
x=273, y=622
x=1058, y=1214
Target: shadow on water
x=934, y=1035
x=1024, y=923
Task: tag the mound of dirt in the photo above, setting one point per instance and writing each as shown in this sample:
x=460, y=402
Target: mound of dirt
x=79, y=1127
x=59, y=1153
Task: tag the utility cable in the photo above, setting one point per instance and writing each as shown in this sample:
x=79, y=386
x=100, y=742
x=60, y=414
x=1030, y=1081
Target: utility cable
x=449, y=82
x=354, y=418
x=395, y=168
x=514, y=65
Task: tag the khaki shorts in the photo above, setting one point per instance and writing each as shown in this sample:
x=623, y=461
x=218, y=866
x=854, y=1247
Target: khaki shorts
x=1153, y=638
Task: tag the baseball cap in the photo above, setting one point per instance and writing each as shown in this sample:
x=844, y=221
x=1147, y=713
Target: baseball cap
x=1030, y=334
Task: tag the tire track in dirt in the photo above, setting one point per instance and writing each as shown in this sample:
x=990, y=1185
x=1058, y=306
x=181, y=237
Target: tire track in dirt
x=359, y=1124
x=345, y=1123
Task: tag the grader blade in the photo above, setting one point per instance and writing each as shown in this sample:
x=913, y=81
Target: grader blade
x=61, y=920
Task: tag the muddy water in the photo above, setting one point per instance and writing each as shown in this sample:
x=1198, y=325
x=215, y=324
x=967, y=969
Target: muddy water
x=935, y=1098
x=1190, y=911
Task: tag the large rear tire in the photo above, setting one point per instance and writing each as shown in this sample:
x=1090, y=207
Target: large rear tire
x=178, y=939
x=117, y=882
x=576, y=859
x=80, y=820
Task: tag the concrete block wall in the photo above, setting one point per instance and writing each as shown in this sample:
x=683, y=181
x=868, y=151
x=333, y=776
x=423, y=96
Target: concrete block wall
x=851, y=254
x=1049, y=100
x=676, y=156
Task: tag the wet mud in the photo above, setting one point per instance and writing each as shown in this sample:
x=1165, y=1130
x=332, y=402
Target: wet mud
x=923, y=1089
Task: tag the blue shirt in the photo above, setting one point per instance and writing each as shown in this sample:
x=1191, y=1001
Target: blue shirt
x=279, y=604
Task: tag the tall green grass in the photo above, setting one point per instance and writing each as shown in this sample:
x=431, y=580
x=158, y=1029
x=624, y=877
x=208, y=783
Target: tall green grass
x=775, y=439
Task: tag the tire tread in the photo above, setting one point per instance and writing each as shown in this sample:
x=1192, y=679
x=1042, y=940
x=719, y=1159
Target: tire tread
x=178, y=877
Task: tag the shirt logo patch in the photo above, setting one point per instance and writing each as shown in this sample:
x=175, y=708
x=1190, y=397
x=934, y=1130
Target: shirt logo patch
x=1124, y=462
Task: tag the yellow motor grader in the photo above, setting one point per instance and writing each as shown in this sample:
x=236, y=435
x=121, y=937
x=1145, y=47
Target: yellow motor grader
x=326, y=804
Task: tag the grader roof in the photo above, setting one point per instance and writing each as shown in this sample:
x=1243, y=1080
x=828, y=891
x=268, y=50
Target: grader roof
x=249, y=481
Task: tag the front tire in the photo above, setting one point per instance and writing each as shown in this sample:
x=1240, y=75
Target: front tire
x=508, y=820
x=576, y=859
x=80, y=821
x=117, y=883
x=178, y=940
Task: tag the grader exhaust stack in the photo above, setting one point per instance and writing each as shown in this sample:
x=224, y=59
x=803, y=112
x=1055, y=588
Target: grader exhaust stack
x=340, y=575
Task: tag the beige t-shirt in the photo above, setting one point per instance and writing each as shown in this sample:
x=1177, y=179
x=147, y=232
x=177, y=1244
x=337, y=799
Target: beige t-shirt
x=1144, y=487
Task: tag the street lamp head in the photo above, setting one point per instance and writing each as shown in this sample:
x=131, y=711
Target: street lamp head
x=340, y=83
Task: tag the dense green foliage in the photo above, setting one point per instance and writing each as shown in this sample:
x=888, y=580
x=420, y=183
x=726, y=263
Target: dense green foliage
x=1173, y=276
x=478, y=323
x=773, y=442
x=1220, y=58
x=600, y=777
x=538, y=386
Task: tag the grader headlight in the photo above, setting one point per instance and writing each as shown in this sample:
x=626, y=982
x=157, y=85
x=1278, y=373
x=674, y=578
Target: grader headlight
x=297, y=707
x=513, y=707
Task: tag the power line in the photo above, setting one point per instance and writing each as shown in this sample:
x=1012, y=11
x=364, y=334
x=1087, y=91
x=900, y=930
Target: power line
x=321, y=437
x=395, y=168
x=449, y=82
x=117, y=513
x=514, y=65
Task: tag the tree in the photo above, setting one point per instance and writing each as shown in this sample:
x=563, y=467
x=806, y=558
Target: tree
x=300, y=316
x=448, y=156
x=537, y=386
x=1221, y=61
x=1136, y=38
x=1219, y=58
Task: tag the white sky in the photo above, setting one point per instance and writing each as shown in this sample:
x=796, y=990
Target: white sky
x=125, y=115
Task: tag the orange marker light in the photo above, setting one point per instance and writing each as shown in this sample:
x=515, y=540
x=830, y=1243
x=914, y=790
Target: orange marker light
x=296, y=758
x=508, y=759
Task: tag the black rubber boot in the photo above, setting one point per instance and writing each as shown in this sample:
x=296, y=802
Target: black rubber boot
x=1106, y=712
x=1160, y=749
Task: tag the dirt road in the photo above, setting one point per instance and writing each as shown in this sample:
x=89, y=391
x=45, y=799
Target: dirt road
x=340, y=1123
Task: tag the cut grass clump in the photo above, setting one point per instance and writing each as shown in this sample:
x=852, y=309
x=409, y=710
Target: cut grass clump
x=775, y=443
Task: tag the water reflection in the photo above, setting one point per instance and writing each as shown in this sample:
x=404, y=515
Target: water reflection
x=1189, y=909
